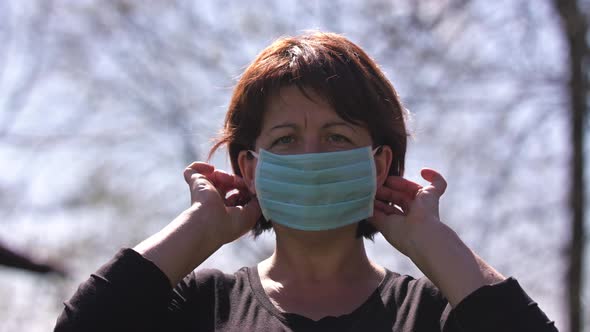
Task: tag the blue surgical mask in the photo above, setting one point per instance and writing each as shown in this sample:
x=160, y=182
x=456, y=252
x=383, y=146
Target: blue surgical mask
x=316, y=191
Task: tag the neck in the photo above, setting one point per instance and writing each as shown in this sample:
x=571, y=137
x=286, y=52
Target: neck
x=322, y=256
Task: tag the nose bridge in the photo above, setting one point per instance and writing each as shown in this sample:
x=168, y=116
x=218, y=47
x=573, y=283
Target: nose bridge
x=311, y=143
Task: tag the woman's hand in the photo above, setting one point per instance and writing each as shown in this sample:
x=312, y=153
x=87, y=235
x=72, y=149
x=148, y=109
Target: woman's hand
x=406, y=227
x=416, y=231
x=232, y=216
x=211, y=221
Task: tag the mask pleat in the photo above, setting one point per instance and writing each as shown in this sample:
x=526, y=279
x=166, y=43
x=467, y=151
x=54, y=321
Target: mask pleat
x=310, y=194
x=316, y=191
x=318, y=177
x=317, y=161
x=320, y=217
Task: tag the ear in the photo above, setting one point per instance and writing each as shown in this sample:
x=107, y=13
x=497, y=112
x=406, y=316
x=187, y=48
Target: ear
x=382, y=164
x=247, y=165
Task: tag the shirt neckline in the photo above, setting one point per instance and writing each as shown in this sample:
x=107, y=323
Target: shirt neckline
x=292, y=319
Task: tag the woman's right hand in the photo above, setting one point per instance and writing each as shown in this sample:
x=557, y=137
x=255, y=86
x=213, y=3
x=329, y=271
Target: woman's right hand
x=230, y=217
x=210, y=222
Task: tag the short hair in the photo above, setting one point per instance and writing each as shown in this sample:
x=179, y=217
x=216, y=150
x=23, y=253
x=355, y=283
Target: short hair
x=334, y=68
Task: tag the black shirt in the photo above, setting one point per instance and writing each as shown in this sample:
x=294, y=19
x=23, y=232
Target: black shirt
x=130, y=293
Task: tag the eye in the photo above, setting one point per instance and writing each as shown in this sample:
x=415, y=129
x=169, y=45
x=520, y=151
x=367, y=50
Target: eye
x=283, y=140
x=337, y=138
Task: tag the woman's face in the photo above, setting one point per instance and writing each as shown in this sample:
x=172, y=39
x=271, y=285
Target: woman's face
x=294, y=123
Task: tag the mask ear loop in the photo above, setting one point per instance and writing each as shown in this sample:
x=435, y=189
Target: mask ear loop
x=378, y=150
x=252, y=154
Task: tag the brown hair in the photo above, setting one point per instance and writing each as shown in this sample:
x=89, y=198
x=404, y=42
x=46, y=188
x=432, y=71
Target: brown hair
x=334, y=68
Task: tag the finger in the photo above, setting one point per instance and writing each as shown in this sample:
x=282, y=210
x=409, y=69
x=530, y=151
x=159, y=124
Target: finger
x=437, y=181
x=397, y=197
x=232, y=200
x=381, y=207
x=197, y=167
x=387, y=209
x=237, y=198
x=226, y=183
x=199, y=182
x=223, y=181
x=401, y=184
x=382, y=218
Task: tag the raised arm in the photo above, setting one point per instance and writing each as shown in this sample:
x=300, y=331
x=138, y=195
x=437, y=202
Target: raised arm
x=417, y=231
x=210, y=222
x=133, y=290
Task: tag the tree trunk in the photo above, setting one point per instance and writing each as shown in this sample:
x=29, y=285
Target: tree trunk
x=575, y=29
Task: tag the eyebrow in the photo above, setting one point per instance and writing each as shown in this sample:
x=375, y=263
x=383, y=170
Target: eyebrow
x=327, y=125
x=338, y=123
x=284, y=125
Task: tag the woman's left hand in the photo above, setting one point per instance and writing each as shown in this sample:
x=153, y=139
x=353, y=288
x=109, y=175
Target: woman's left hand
x=409, y=226
x=416, y=231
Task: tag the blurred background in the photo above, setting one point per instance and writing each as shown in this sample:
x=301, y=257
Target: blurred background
x=103, y=104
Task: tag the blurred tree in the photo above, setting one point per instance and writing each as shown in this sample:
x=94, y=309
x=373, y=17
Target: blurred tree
x=485, y=86
x=11, y=258
x=575, y=30
x=102, y=104
x=16, y=97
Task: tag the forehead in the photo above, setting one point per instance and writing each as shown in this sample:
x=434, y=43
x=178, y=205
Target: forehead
x=291, y=104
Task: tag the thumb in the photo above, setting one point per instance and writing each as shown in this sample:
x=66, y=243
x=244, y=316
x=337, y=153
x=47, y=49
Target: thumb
x=383, y=214
x=438, y=184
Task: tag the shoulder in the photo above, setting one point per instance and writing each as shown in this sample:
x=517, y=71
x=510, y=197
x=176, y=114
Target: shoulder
x=407, y=291
x=204, y=288
x=210, y=278
x=417, y=304
x=212, y=282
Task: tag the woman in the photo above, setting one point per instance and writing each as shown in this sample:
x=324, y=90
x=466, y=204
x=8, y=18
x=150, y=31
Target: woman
x=317, y=141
